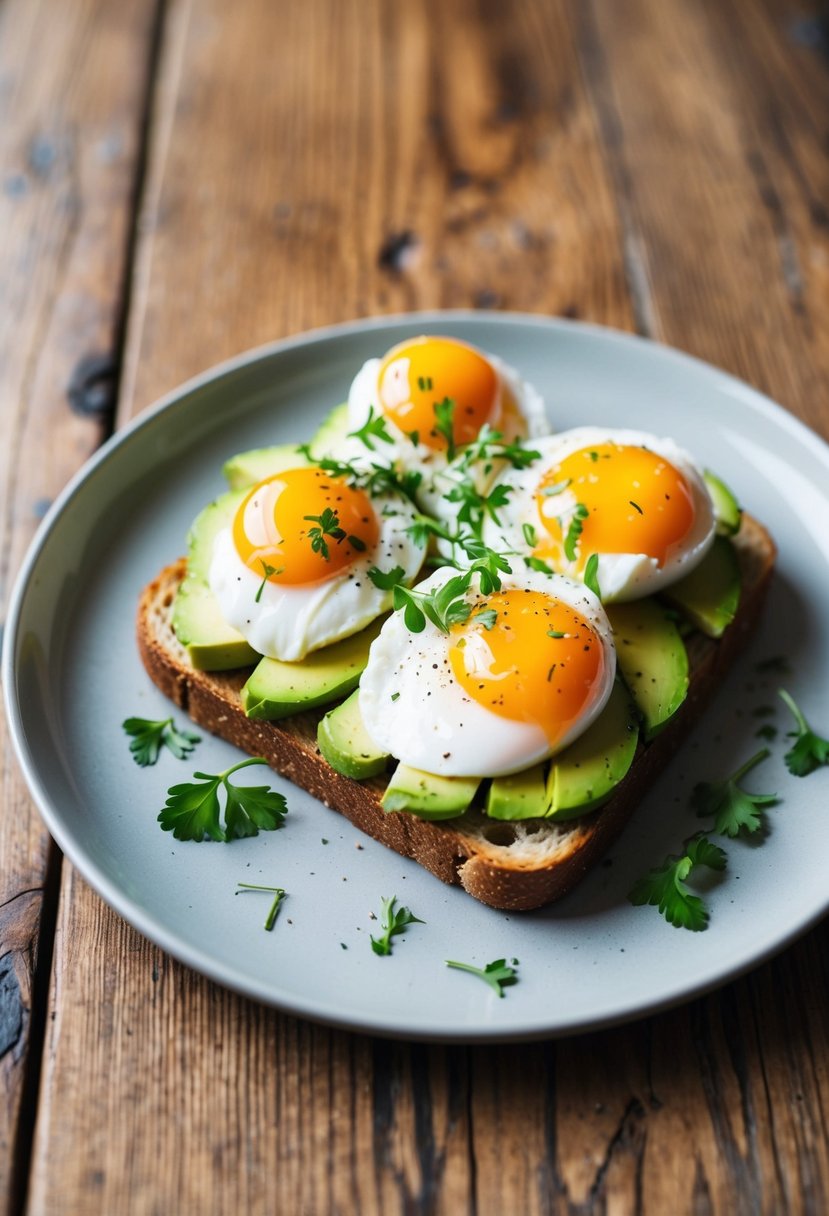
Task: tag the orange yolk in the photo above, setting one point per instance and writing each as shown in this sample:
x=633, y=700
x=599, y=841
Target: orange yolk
x=417, y=375
x=303, y=526
x=541, y=662
x=637, y=502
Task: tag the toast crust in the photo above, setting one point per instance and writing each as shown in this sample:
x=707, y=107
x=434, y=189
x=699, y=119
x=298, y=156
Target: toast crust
x=510, y=866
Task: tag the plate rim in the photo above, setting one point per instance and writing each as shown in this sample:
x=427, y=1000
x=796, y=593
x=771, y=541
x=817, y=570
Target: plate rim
x=153, y=928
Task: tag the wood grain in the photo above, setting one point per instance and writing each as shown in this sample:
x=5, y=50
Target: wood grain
x=648, y=164
x=69, y=145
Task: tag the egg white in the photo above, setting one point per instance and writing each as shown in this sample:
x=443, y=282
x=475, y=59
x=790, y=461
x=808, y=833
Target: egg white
x=414, y=709
x=291, y=620
x=621, y=576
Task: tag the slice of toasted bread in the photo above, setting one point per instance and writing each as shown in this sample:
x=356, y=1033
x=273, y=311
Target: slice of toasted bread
x=514, y=866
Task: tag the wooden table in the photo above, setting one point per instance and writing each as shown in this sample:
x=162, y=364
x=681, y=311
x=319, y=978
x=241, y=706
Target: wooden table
x=183, y=179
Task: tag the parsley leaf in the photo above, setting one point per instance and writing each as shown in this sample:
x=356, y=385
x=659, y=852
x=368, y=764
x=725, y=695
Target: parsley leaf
x=192, y=810
x=735, y=810
x=385, y=580
x=328, y=525
x=536, y=563
x=373, y=428
x=809, y=751
x=278, y=895
x=444, y=606
x=445, y=424
x=574, y=530
x=497, y=974
x=591, y=575
x=530, y=535
x=392, y=922
x=149, y=736
x=664, y=887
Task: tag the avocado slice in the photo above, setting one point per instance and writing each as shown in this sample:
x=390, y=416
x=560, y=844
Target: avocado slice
x=652, y=660
x=587, y=772
x=520, y=796
x=276, y=689
x=346, y=744
x=247, y=468
x=331, y=432
x=727, y=511
x=427, y=795
x=212, y=644
x=710, y=595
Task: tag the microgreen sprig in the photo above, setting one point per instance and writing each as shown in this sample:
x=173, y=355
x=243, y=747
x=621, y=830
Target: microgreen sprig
x=267, y=571
x=497, y=974
x=373, y=428
x=392, y=922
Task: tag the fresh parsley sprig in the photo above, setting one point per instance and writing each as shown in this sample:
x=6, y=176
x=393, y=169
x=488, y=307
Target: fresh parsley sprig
x=489, y=446
x=392, y=921
x=278, y=894
x=192, y=810
x=497, y=974
x=149, y=736
x=444, y=606
x=664, y=887
x=328, y=524
x=734, y=809
x=809, y=751
x=373, y=428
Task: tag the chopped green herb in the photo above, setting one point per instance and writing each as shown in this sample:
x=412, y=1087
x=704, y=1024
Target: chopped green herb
x=267, y=572
x=445, y=424
x=767, y=731
x=664, y=887
x=574, y=530
x=192, y=810
x=556, y=633
x=536, y=563
x=591, y=575
x=734, y=809
x=424, y=383
x=278, y=894
x=328, y=525
x=636, y=506
x=809, y=751
x=373, y=428
x=385, y=580
x=530, y=535
x=392, y=922
x=497, y=974
x=148, y=737
x=594, y=456
x=395, y=696
x=414, y=438
x=487, y=617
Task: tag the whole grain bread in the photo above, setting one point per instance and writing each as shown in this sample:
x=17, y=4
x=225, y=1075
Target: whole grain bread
x=515, y=866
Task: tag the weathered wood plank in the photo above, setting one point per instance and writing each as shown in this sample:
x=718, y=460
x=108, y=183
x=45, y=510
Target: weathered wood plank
x=550, y=157
x=72, y=79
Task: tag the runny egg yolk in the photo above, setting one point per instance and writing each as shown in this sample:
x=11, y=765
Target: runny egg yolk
x=416, y=376
x=303, y=526
x=635, y=500
x=540, y=661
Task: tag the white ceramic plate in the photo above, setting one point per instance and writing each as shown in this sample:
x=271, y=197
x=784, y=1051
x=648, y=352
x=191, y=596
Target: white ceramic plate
x=72, y=674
